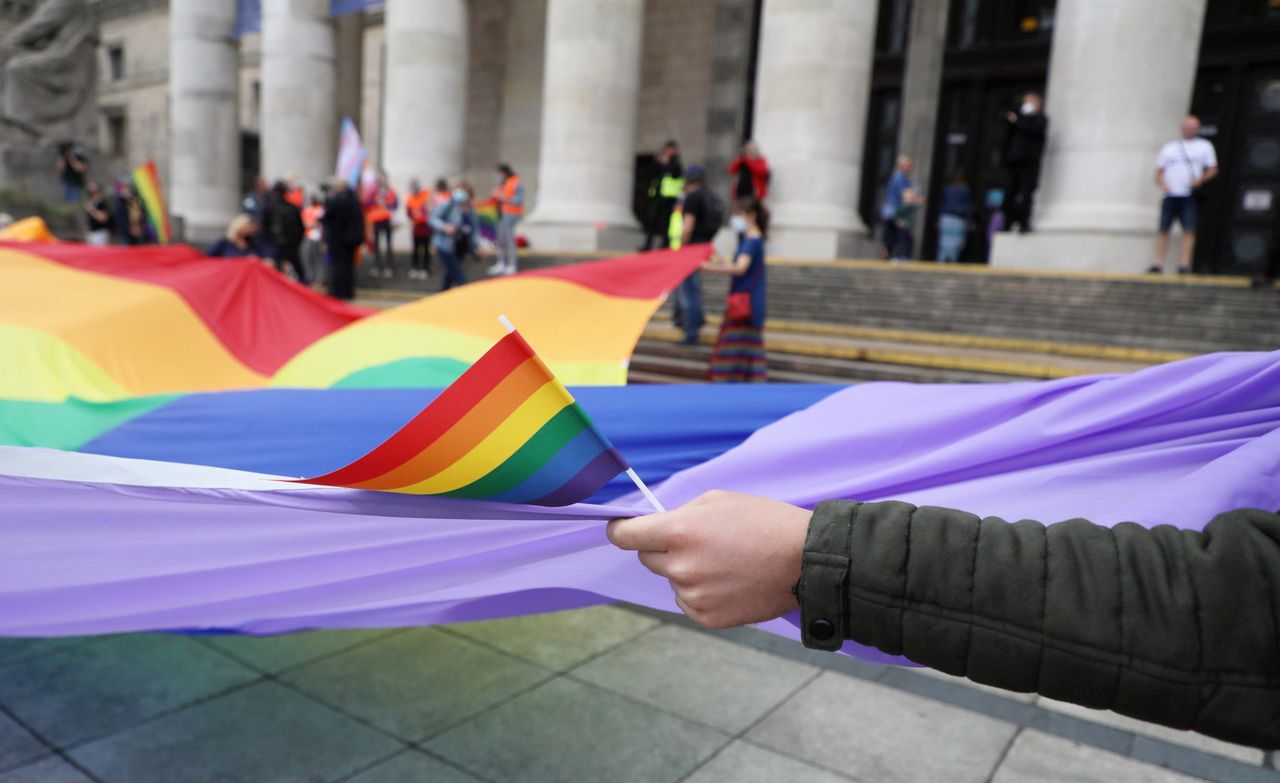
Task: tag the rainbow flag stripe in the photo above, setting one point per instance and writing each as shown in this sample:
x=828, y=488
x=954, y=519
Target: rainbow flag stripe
x=507, y=430
x=147, y=181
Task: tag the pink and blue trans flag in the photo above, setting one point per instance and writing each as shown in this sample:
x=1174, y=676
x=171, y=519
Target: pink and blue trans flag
x=351, y=153
x=97, y=544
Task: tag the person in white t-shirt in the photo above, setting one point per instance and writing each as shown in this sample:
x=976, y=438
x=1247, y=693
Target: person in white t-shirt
x=1183, y=167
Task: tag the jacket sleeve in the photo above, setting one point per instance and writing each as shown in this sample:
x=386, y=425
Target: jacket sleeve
x=1165, y=625
x=438, y=220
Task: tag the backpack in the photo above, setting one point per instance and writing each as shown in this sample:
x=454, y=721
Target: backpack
x=715, y=211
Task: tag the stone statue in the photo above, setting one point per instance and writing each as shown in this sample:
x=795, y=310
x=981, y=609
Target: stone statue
x=48, y=73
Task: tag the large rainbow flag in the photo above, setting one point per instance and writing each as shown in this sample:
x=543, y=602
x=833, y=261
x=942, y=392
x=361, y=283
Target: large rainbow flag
x=126, y=322
x=507, y=430
x=585, y=319
x=211, y=548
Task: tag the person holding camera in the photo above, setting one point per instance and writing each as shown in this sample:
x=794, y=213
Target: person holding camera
x=72, y=167
x=1023, y=149
x=453, y=229
x=1183, y=167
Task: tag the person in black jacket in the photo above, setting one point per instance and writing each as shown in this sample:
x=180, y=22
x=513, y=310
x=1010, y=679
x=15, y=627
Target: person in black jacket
x=664, y=189
x=1169, y=626
x=287, y=230
x=343, y=223
x=1023, y=149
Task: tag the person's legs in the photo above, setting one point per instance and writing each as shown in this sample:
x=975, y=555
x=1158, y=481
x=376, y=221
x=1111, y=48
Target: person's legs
x=507, y=243
x=1167, y=207
x=1190, y=218
x=662, y=222
x=341, y=272
x=452, y=269
x=903, y=246
x=691, y=296
x=951, y=231
x=292, y=255
x=1030, y=183
x=382, y=231
x=1015, y=199
x=889, y=235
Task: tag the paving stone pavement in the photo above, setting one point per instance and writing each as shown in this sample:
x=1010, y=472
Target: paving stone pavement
x=601, y=694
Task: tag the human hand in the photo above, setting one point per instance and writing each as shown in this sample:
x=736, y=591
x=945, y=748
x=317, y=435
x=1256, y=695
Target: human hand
x=731, y=559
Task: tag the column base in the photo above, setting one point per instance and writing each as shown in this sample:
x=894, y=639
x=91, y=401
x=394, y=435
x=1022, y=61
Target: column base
x=823, y=244
x=552, y=236
x=1124, y=252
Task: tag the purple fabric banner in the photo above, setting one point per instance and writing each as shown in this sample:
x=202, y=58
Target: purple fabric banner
x=100, y=544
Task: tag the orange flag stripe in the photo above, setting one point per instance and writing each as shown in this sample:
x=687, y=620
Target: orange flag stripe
x=487, y=415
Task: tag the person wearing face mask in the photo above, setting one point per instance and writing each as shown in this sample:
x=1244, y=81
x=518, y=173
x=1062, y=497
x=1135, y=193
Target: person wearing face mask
x=452, y=223
x=739, y=355
x=1023, y=149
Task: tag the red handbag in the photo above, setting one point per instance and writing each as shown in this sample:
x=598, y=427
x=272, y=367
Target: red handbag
x=739, y=307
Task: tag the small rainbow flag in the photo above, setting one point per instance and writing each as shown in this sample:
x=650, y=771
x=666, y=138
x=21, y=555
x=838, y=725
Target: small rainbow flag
x=147, y=182
x=507, y=431
x=487, y=219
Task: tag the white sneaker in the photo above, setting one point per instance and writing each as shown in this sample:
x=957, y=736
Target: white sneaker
x=497, y=269
x=509, y=269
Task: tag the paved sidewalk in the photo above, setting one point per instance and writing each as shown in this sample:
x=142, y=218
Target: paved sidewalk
x=601, y=694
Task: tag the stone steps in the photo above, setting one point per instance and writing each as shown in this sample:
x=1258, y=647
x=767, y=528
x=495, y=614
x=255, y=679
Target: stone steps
x=863, y=320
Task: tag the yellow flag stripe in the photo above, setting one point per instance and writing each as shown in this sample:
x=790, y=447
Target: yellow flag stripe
x=504, y=441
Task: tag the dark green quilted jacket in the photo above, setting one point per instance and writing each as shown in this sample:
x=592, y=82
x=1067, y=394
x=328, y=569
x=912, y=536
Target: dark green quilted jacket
x=1166, y=625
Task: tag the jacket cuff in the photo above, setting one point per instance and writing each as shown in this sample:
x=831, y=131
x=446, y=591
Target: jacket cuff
x=824, y=573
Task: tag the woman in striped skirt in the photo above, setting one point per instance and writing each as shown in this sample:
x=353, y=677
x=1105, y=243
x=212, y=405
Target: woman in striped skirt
x=739, y=353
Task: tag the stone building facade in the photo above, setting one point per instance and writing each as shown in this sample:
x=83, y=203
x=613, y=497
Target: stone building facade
x=576, y=94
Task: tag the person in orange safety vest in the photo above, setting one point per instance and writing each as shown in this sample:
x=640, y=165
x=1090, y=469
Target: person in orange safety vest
x=510, y=197
x=419, y=206
x=378, y=213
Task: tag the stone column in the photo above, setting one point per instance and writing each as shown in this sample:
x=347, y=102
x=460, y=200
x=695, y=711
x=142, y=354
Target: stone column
x=1120, y=80
x=921, y=94
x=349, y=72
x=812, y=87
x=425, y=110
x=299, y=90
x=519, y=134
x=204, y=119
x=590, y=92
x=730, y=80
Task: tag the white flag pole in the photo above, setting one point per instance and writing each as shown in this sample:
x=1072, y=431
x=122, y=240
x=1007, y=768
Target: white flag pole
x=631, y=472
x=644, y=490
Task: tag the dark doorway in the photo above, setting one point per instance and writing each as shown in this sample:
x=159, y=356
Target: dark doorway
x=1240, y=110
x=971, y=135
x=250, y=160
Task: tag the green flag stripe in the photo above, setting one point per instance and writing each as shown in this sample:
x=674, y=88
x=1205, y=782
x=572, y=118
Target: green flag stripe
x=538, y=451
x=71, y=424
